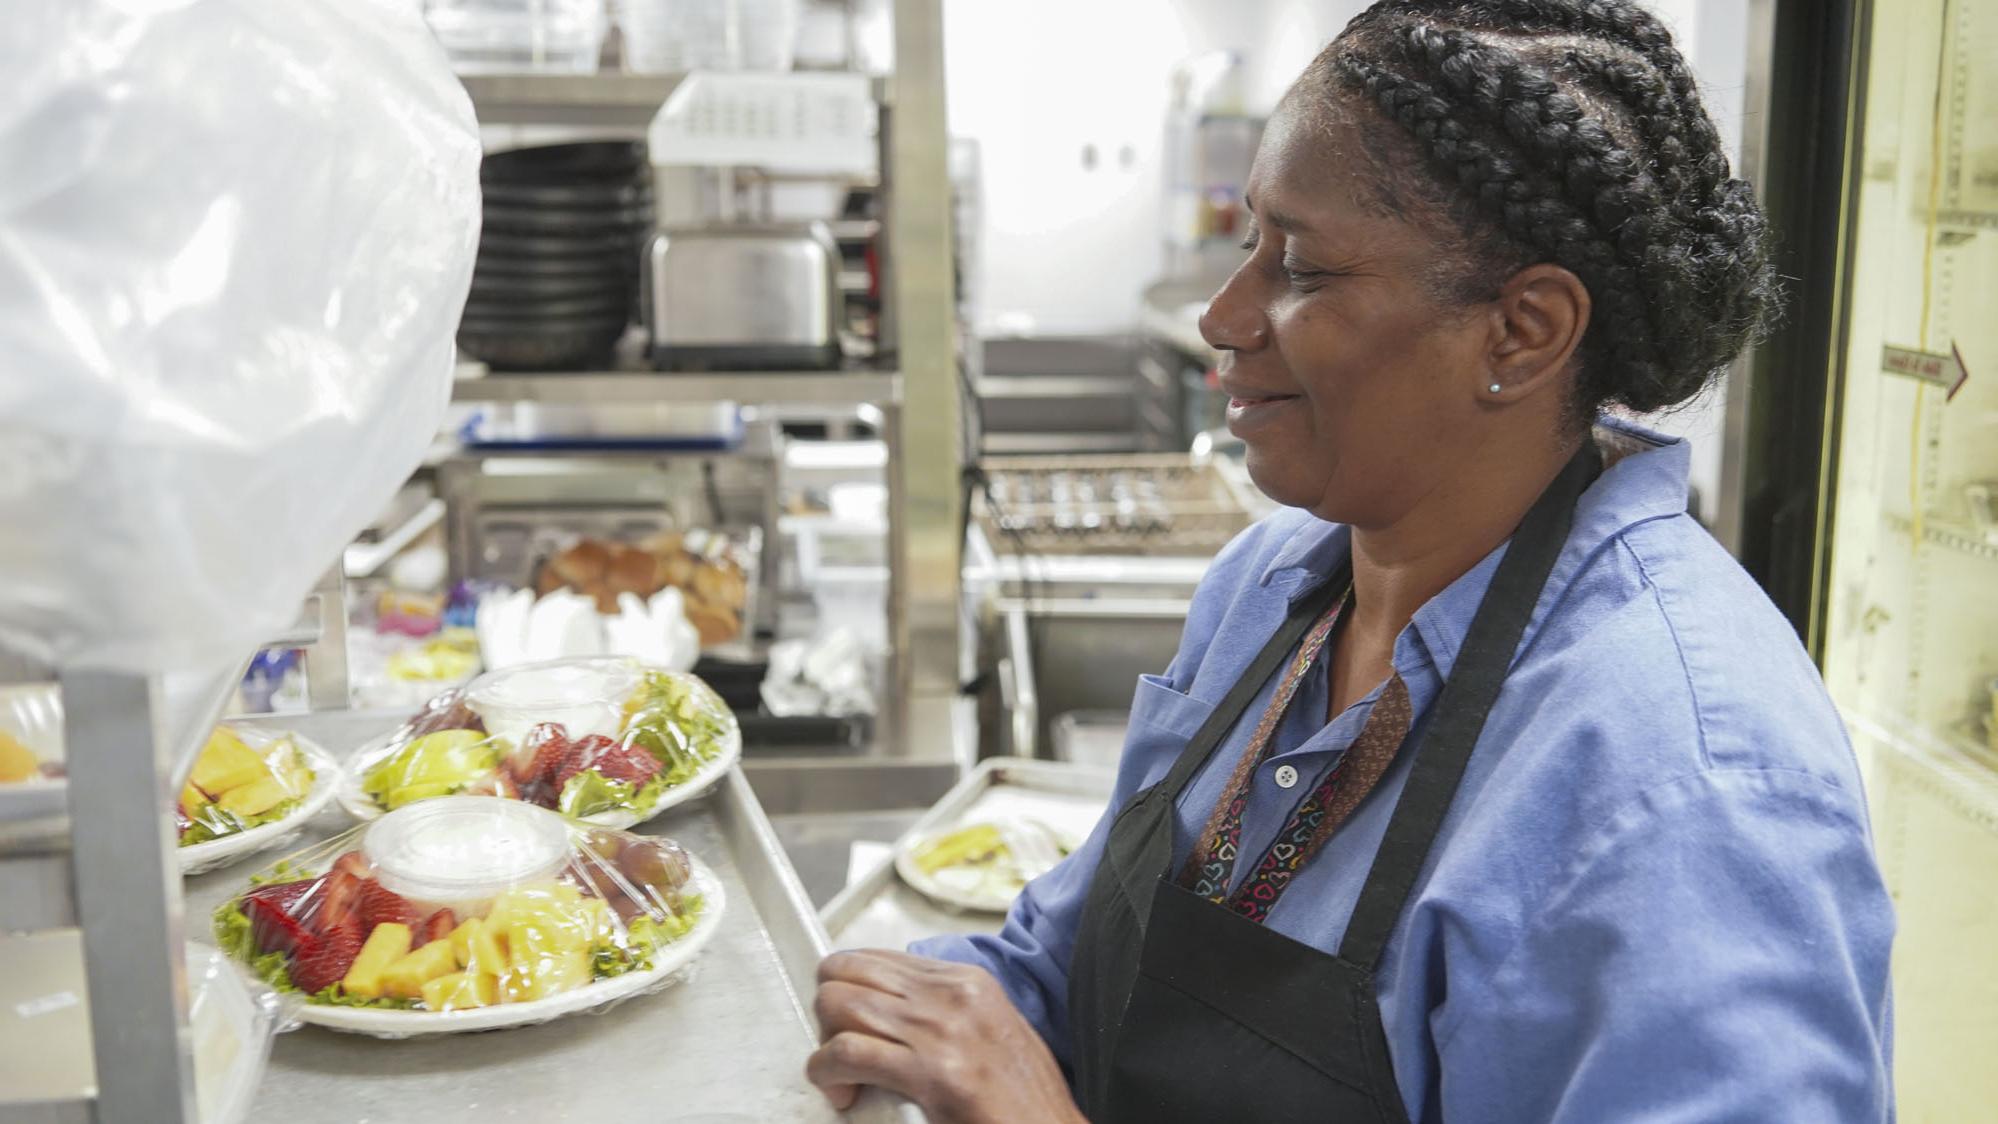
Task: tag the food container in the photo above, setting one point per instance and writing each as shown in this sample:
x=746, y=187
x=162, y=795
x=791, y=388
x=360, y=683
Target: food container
x=458, y=852
x=585, y=696
x=608, y=740
x=470, y=913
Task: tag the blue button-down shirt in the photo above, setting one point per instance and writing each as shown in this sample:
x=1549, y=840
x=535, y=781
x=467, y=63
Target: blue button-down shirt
x=1654, y=897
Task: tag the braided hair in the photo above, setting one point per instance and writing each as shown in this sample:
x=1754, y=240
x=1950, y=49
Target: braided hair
x=1570, y=132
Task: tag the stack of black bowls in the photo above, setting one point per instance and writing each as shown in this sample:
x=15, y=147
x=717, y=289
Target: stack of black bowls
x=556, y=282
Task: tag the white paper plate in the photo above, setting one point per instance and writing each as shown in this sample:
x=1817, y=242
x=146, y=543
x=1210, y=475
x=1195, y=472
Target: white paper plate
x=941, y=891
x=363, y=807
x=326, y=780
x=665, y=963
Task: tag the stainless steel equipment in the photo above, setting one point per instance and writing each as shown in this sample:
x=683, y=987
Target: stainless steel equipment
x=1078, y=578
x=762, y=296
x=1143, y=505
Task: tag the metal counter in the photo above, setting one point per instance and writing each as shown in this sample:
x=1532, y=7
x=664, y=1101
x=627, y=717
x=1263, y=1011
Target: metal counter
x=728, y=1043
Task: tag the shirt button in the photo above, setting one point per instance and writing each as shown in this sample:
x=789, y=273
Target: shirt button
x=1286, y=777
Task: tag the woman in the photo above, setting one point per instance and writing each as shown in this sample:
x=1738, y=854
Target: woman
x=1484, y=785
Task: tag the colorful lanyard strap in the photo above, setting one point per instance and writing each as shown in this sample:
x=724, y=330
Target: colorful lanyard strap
x=1211, y=865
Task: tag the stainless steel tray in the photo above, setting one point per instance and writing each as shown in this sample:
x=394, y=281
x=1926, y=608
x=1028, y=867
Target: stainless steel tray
x=727, y=1044
x=879, y=910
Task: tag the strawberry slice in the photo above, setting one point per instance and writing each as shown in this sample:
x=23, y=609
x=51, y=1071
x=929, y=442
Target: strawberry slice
x=436, y=927
x=277, y=913
x=629, y=763
x=379, y=905
x=323, y=960
x=539, y=754
x=584, y=753
x=340, y=903
x=356, y=864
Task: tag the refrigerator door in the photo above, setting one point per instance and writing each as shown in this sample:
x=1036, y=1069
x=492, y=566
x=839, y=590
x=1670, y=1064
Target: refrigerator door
x=1908, y=605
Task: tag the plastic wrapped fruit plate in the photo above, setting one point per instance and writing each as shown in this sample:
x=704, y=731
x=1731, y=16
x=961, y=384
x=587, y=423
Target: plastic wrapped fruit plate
x=982, y=866
x=470, y=913
x=250, y=790
x=607, y=740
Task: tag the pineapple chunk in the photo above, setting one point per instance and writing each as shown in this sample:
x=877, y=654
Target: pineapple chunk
x=387, y=944
x=255, y=798
x=405, y=978
x=547, y=961
x=226, y=763
x=477, y=948
x=602, y=925
x=17, y=761
x=192, y=799
x=287, y=763
x=550, y=904
x=460, y=991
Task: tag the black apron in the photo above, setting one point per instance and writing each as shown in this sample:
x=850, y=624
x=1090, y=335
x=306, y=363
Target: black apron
x=1183, y=1010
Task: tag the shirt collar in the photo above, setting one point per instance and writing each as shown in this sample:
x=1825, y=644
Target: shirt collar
x=1649, y=482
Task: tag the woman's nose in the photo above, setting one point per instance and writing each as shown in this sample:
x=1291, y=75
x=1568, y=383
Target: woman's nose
x=1234, y=321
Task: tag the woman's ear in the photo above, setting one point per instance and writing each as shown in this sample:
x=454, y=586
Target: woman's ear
x=1539, y=319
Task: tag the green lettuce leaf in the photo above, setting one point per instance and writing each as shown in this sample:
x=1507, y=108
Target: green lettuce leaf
x=680, y=721
x=219, y=823
x=644, y=935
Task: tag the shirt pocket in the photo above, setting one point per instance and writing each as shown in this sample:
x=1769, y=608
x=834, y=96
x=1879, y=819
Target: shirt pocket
x=1161, y=712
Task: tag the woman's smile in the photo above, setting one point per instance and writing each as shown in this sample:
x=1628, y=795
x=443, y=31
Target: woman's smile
x=1249, y=413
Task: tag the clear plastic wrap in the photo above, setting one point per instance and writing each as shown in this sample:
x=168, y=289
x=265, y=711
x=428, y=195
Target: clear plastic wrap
x=249, y=788
x=470, y=913
x=235, y=236
x=608, y=740
x=231, y=1019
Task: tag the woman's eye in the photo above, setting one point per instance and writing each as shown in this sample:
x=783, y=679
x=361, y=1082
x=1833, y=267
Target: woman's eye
x=1250, y=242
x=1302, y=274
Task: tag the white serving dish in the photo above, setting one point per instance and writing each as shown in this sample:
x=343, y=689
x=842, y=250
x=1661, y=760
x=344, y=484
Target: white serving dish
x=363, y=807
x=667, y=961
x=327, y=776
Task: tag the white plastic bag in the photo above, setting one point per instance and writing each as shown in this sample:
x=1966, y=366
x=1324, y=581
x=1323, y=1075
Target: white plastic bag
x=235, y=237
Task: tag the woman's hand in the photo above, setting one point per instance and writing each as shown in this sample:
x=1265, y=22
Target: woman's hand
x=943, y=1035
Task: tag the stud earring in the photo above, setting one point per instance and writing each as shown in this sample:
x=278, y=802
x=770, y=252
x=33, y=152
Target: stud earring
x=1496, y=388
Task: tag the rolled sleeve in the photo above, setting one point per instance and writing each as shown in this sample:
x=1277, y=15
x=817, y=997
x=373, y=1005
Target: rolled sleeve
x=1720, y=954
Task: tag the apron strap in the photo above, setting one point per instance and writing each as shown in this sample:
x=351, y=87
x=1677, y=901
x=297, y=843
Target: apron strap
x=1232, y=706
x=1459, y=714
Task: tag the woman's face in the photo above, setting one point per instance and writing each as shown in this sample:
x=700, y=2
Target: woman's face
x=1351, y=384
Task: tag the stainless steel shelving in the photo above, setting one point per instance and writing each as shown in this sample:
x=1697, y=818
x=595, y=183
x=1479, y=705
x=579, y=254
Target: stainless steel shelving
x=747, y=388
x=607, y=98
x=919, y=344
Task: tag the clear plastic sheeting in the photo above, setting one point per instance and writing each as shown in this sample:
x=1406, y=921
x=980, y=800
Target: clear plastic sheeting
x=235, y=237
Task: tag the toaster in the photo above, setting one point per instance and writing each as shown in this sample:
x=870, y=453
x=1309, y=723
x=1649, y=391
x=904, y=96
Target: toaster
x=761, y=296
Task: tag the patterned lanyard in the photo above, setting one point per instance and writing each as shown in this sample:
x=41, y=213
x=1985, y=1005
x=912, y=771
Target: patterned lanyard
x=1322, y=812
x=1212, y=862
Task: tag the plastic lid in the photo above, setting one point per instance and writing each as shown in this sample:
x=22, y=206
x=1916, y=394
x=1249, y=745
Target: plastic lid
x=458, y=848
x=556, y=684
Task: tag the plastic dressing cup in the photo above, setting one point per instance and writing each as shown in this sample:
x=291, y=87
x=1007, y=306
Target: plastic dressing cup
x=586, y=696
x=459, y=852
